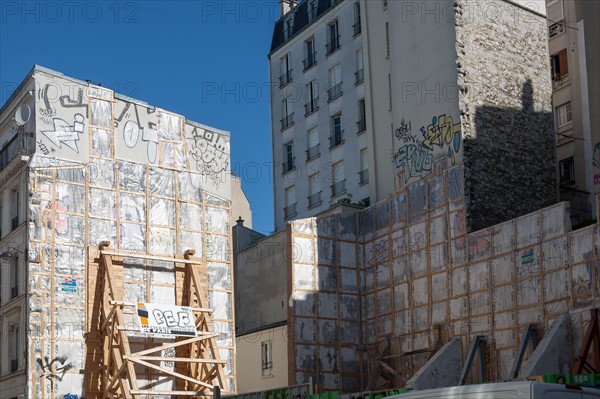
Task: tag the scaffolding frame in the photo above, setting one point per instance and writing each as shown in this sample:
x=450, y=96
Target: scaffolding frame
x=198, y=364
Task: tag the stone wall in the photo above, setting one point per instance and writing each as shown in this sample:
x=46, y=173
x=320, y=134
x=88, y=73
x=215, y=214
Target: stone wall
x=506, y=111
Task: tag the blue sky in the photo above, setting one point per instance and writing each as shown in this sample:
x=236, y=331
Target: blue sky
x=206, y=60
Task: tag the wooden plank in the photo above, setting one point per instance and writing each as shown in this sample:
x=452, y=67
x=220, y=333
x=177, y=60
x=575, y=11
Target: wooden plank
x=172, y=393
x=126, y=254
x=131, y=304
x=173, y=345
x=172, y=373
x=180, y=359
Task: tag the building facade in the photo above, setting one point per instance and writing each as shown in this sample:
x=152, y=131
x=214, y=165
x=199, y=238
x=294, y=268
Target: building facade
x=82, y=165
x=573, y=30
x=371, y=92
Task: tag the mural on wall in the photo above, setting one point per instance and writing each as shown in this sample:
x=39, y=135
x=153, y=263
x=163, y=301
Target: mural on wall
x=136, y=129
x=208, y=153
x=62, y=118
x=417, y=150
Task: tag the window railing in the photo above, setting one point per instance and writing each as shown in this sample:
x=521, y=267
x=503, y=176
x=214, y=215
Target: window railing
x=287, y=121
x=314, y=200
x=360, y=75
x=285, y=78
x=14, y=292
x=20, y=144
x=362, y=125
x=289, y=211
x=336, y=139
x=357, y=28
x=338, y=188
x=311, y=106
x=363, y=176
x=289, y=165
x=334, y=92
x=310, y=61
x=333, y=44
x=313, y=152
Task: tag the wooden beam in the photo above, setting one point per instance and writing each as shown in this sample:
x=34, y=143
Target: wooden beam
x=131, y=304
x=173, y=345
x=592, y=337
x=172, y=373
x=132, y=254
x=171, y=393
x=179, y=359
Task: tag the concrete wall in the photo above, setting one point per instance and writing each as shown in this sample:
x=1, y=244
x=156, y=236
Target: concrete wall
x=240, y=206
x=506, y=111
x=251, y=377
x=261, y=284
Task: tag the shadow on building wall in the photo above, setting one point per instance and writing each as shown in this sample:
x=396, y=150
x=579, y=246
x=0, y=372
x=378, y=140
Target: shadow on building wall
x=510, y=163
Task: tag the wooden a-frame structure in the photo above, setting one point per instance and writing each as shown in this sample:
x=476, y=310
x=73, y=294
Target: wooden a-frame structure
x=197, y=362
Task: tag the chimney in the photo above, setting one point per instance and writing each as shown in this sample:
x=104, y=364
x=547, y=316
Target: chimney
x=240, y=222
x=287, y=5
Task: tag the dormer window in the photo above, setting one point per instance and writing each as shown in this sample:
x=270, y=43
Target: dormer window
x=312, y=10
x=288, y=25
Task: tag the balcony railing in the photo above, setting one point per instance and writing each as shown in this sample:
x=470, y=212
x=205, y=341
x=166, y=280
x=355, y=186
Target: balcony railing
x=336, y=139
x=311, y=106
x=357, y=28
x=338, y=188
x=362, y=125
x=287, y=121
x=20, y=144
x=333, y=44
x=313, y=152
x=14, y=292
x=363, y=176
x=310, y=61
x=360, y=76
x=314, y=200
x=289, y=165
x=334, y=92
x=581, y=208
x=285, y=78
x=289, y=211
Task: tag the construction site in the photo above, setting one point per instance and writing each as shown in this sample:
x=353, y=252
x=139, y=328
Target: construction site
x=121, y=222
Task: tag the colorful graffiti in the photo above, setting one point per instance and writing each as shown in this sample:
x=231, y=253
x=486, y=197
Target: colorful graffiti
x=415, y=156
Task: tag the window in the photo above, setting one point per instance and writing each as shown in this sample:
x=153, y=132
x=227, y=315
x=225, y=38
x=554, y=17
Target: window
x=559, y=65
x=286, y=71
x=384, y=4
x=556, y=28
x=335, y=80
x=288, y=115
x=337, y=134
x=14, y=208
x=288, y=26
x=14, y=347
x=311, y=53
x=314, y=190
x=333, y=37
x=567, y=171
x=563, y=114
x=312, y=10
x=289, y=161
x=313, y=145
x=357, y=27
x=339, y=182
x=290, y=202
x=387, y=39
x=360, y=72
x=312, y=90
x=14, y=277
x=362, y=120
x=364, y=167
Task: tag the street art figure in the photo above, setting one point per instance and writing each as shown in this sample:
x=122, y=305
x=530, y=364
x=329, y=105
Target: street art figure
x=66, y=134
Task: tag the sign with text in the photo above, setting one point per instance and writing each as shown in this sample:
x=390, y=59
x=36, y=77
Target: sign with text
x=166, y=320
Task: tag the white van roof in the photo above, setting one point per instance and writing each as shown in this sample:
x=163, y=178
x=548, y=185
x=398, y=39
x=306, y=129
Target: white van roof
x=504, y=390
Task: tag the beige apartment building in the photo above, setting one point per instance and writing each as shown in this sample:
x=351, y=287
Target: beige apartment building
x=574, y=34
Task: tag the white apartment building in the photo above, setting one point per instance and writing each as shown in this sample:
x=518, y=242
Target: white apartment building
x=362, y=87
x=318, y=117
